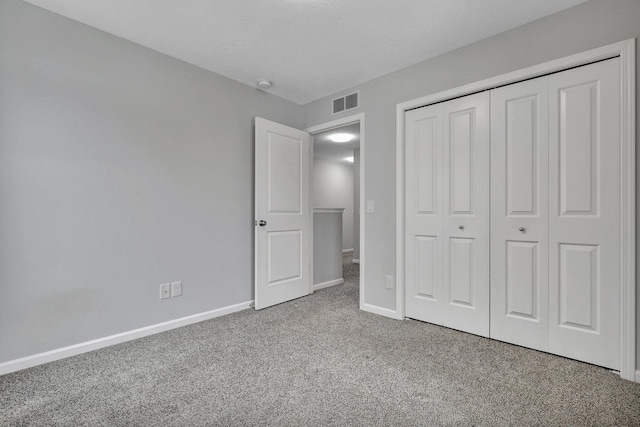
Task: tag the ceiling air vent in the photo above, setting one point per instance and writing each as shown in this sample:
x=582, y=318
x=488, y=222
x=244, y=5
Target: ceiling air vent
x=345, y=103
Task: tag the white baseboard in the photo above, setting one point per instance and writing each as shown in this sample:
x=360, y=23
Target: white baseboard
x=85, y=347
x=638, y=376
x=355, y=261
x=380, y=311
x=347, y=251
x=327, y=284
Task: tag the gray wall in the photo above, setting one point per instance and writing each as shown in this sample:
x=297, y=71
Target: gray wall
x=587, y=26
x=120, y=169
x=327, y=247
x=333, y=188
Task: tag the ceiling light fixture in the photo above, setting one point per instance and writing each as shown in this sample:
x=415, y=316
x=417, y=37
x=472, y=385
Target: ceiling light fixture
x=264, y=84
x=341, y=137
x=349, y=159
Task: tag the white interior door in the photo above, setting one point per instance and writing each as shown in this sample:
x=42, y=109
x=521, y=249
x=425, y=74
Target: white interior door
x=424, y=214
x=447, y=216
x=466, y=221
x=282, y=213
x=561, y=172
x=584, y=213
x=519, y=214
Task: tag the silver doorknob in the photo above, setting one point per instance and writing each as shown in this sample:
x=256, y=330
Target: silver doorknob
x=262, y=223
x=521, y=229
x=461, y=227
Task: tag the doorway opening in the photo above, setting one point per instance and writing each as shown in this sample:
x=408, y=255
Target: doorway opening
x=337, y=190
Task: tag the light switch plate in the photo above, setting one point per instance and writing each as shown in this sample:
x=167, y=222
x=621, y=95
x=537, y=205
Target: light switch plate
x=370, y=206
x=176, y=289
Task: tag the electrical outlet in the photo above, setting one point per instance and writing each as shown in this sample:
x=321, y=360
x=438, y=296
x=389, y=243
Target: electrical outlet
x=389, y=282
x=176, y=289
x=165, y=291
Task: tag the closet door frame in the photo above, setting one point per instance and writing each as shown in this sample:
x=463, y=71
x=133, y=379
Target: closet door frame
x=625, y=50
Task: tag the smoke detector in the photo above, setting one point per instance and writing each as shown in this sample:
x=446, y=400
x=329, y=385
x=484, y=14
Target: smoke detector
x=264, y=84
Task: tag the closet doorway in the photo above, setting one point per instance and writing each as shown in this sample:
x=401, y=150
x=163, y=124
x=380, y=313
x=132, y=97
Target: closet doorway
x=563, y=280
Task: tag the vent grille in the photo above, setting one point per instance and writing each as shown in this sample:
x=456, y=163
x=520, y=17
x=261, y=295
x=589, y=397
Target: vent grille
x=345, y=103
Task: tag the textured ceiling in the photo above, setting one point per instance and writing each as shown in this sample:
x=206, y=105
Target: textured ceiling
x=308, y=48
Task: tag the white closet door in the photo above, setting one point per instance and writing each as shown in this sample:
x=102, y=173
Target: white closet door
x=584, y=213
x=519, y=214
x=466, y=220
x=424, y=213
x=447, y=193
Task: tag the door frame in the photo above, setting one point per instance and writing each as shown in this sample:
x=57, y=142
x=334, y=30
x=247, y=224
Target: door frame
x=625, y=50
x=313, y=130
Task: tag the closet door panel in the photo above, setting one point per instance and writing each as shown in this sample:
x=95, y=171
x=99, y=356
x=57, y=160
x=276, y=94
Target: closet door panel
x=466, y=219
x=424, y=214
x=447, y=214
x=519, y=216
x=584, y=216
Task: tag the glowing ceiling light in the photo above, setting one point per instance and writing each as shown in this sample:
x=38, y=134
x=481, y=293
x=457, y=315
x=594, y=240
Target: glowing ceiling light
x=349, y=159
x=341, y=137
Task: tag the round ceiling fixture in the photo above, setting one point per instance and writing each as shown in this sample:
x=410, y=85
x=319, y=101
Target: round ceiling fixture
x=264, y=84
x=341, y=137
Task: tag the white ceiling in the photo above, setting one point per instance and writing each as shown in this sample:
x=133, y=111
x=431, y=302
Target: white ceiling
x=308, y=48
x=323, y=147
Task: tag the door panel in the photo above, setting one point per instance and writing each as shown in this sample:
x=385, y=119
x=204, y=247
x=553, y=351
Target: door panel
x=519, y=216
x=447, y=148
x=424, y=214
x=282, y=244
x=284, y=169
x=284, y=251
x=426, y=165
x=461, y=268
x=584, y=213
x=425, y=276
x=578, y=150
x=579, y=286
x=522, y=154
x=459, y=137
x=522, y=283
x=466, y=223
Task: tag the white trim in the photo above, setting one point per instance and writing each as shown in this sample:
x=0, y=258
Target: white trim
x=638, y=376
x=628, y=221
x=349, y=120
x=626, y=51
x=400, y=255
x=583, y=58
x=328, y=210
x=85, y=347
x=355, y=261
x=381, y=311
x=347, y=251
x=328, y=284
x=309, y=218
x=332, y=125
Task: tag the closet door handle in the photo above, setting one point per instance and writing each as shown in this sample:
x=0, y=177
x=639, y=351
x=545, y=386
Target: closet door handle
x=522, y=229
x=461, y=227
